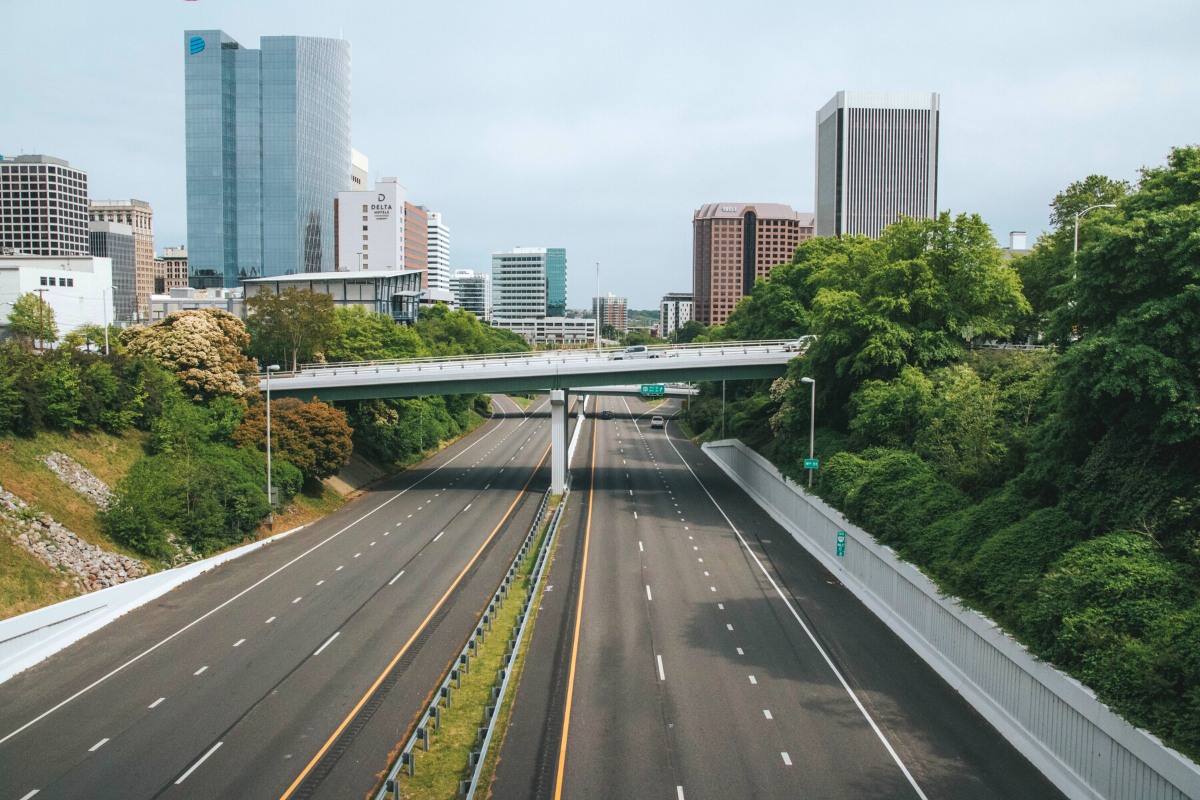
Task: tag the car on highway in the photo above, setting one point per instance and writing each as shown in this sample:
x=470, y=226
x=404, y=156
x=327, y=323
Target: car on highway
x=633, y=351
x=606, y=415
x=657, y=422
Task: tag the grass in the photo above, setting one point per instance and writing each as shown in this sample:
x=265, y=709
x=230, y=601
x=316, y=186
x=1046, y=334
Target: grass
x=438, y=772
x=26, y=583
x=523, y=402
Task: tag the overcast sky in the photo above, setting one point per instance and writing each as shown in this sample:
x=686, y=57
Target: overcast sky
x=601, y=127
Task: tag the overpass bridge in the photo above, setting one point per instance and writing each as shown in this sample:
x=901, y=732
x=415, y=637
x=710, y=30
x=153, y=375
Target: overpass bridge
x=531, y=372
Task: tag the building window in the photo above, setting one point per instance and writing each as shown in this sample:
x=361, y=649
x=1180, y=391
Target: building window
x=70, y=281
x=43, y=281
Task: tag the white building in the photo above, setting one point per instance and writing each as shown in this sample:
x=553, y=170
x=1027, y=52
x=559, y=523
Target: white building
x=77, y=288
x=439, y=252
x=185, y=298
x=370, y=228
x=559, y=330
x=519, y=283
x=674, y=311
x=359, y=170
x=472, y=292
x=876, y=160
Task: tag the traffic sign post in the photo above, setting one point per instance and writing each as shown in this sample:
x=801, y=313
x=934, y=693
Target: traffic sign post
x=810, y=463
x=654, y=389
x=841, y=543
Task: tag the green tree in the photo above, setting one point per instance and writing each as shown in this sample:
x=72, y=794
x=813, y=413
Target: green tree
x=202, y=347
x=368, y=336
x=59, y=385
x=32, y=320
x=1091, y=191
x=687, y=332
x=295, y=322
x=451, y=333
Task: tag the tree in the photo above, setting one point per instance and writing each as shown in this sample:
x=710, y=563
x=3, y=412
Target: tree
x=295, y=321
x=1091, y=191
x=636, y=337
x=688, y=331
x=32, y=319
x=313, y=437
x=202, y=347
x=368, y=336
x=451, y=333
x=59, y=387
x=609, y=332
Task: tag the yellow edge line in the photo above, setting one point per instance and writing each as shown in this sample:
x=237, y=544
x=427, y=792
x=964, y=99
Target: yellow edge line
x=587, y=534
x=416, y=633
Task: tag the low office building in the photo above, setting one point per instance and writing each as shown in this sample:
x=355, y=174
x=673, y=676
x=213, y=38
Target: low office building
x=369, y=227
x=396, y=293
x=170, y=269
x=77, y=288
x=185, y=298
x=674, y=312
x=529, y=282
x=553, y=330
x=115, y=241
x=472, y=292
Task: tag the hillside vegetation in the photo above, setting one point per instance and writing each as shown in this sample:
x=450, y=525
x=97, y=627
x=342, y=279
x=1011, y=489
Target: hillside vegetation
x=1057, y=490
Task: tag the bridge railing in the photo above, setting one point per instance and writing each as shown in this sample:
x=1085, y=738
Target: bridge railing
x=543, y=357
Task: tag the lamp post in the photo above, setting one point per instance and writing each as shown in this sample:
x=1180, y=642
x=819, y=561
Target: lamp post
x=812, y=424
x=1079, y=214
x=597, y=307
x=105, y=309
x=722, y=409
x=270, y=499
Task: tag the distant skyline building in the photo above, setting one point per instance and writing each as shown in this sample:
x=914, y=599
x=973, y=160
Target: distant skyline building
x=416, y=236
x=140, y=217
x=438, y=250
x=359, y=170
x=170, y=270
x=267, y=151
x=473, y=293
x=116, y=242
x=529, y=283
x=733, y=245
x=611, y=310
x=674, y=311
x=43, y=206
x=876, y=159
x=369, y=226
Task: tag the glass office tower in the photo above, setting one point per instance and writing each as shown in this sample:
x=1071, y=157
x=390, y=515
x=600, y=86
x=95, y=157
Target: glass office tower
x=556, y=282
x=268, y=149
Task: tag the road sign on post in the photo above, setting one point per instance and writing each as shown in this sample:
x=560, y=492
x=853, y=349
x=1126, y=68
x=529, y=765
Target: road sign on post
x=841, y=543
x=810, y=463
x=654, y=389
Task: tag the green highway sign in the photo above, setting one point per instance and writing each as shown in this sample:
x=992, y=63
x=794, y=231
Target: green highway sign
x=654, y=388
x=841, y=543
x=810, y=463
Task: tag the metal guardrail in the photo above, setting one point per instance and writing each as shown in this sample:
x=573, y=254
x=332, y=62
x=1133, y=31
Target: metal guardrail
x=462, y=664
x=541, y=357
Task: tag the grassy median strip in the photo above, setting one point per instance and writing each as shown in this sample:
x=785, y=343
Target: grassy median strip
x=438, y=772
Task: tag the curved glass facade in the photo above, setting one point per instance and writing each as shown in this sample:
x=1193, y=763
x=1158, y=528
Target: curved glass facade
x=268, y=149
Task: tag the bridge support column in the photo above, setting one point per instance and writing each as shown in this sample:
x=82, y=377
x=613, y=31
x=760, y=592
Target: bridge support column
x=566, y=430
x=558, y=441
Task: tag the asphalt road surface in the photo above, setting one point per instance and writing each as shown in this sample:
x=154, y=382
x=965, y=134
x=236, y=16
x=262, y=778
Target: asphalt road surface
x=687, y=647
x=295, y=670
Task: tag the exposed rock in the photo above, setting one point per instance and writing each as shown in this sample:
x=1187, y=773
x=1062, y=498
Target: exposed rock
x=79, y=478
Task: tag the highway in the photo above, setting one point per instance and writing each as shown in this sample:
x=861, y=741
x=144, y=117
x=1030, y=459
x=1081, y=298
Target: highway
x=295, y=670
x=687, y=647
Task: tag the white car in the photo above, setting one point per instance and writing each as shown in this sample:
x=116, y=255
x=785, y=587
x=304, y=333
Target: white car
x=634, y=351
x=656, y=422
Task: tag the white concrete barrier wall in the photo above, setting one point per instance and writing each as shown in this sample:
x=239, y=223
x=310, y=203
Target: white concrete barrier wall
x=1086, y=749
x=28, y=638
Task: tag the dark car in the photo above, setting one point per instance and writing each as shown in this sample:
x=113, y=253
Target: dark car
x=606, y=415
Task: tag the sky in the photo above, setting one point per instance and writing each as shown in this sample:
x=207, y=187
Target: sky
x=602, y=127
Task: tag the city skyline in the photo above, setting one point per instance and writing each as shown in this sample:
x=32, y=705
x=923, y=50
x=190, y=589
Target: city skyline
x=1029, y=111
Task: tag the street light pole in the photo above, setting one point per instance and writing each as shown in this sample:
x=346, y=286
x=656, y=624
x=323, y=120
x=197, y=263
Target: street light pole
x=271, y=516
x=812, y=425
x=597, y=306
x=1079, y=214
x=722, y=409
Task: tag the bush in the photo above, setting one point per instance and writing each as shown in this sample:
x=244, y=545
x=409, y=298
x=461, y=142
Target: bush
x=312, y=436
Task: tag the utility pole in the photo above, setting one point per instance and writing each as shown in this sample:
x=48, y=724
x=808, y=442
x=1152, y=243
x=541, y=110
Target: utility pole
x=270, y=498
x=41, y=327
x=597, y=306
x=722, y=409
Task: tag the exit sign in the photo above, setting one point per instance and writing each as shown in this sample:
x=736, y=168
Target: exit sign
x=841, y=543
x=654, y=389
x=810, y=463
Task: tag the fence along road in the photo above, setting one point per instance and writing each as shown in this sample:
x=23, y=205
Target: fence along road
x=231, y=685
x=717, y=659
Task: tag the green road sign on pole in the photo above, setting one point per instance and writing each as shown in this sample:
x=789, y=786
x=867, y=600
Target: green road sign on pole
x=841, y=543
x=810, y=463
x=653, y=389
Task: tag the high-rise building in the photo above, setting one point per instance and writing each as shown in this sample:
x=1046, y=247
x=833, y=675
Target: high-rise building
x=416, y=236
x=140, y=217
x=876, y=160
x=556, y=282
x=734, y=244
x=438, y=250
x=610, y=310
x=116, y=242
x=472, y=292
x=268, y=149
x=170, y=270
x=43, y=206
x=519, y=283
x=674, y=311
x=369, y=226
x=359, y=170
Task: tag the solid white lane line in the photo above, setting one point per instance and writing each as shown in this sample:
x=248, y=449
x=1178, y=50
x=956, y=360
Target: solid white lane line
x=640, y=548
x=438, y=536
x=156, y=702
x=31, y=794
x=786, y=759
x=203, y=758
x=767, y=713
x=327, y=641
x=393, y=580
x=268, y=622
x=97, y=746
x=662, y=676
x=238, y=642
x=862, y=709
x=678, y=793
x=752, y=680
x=197, y=672
x=648, y=595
